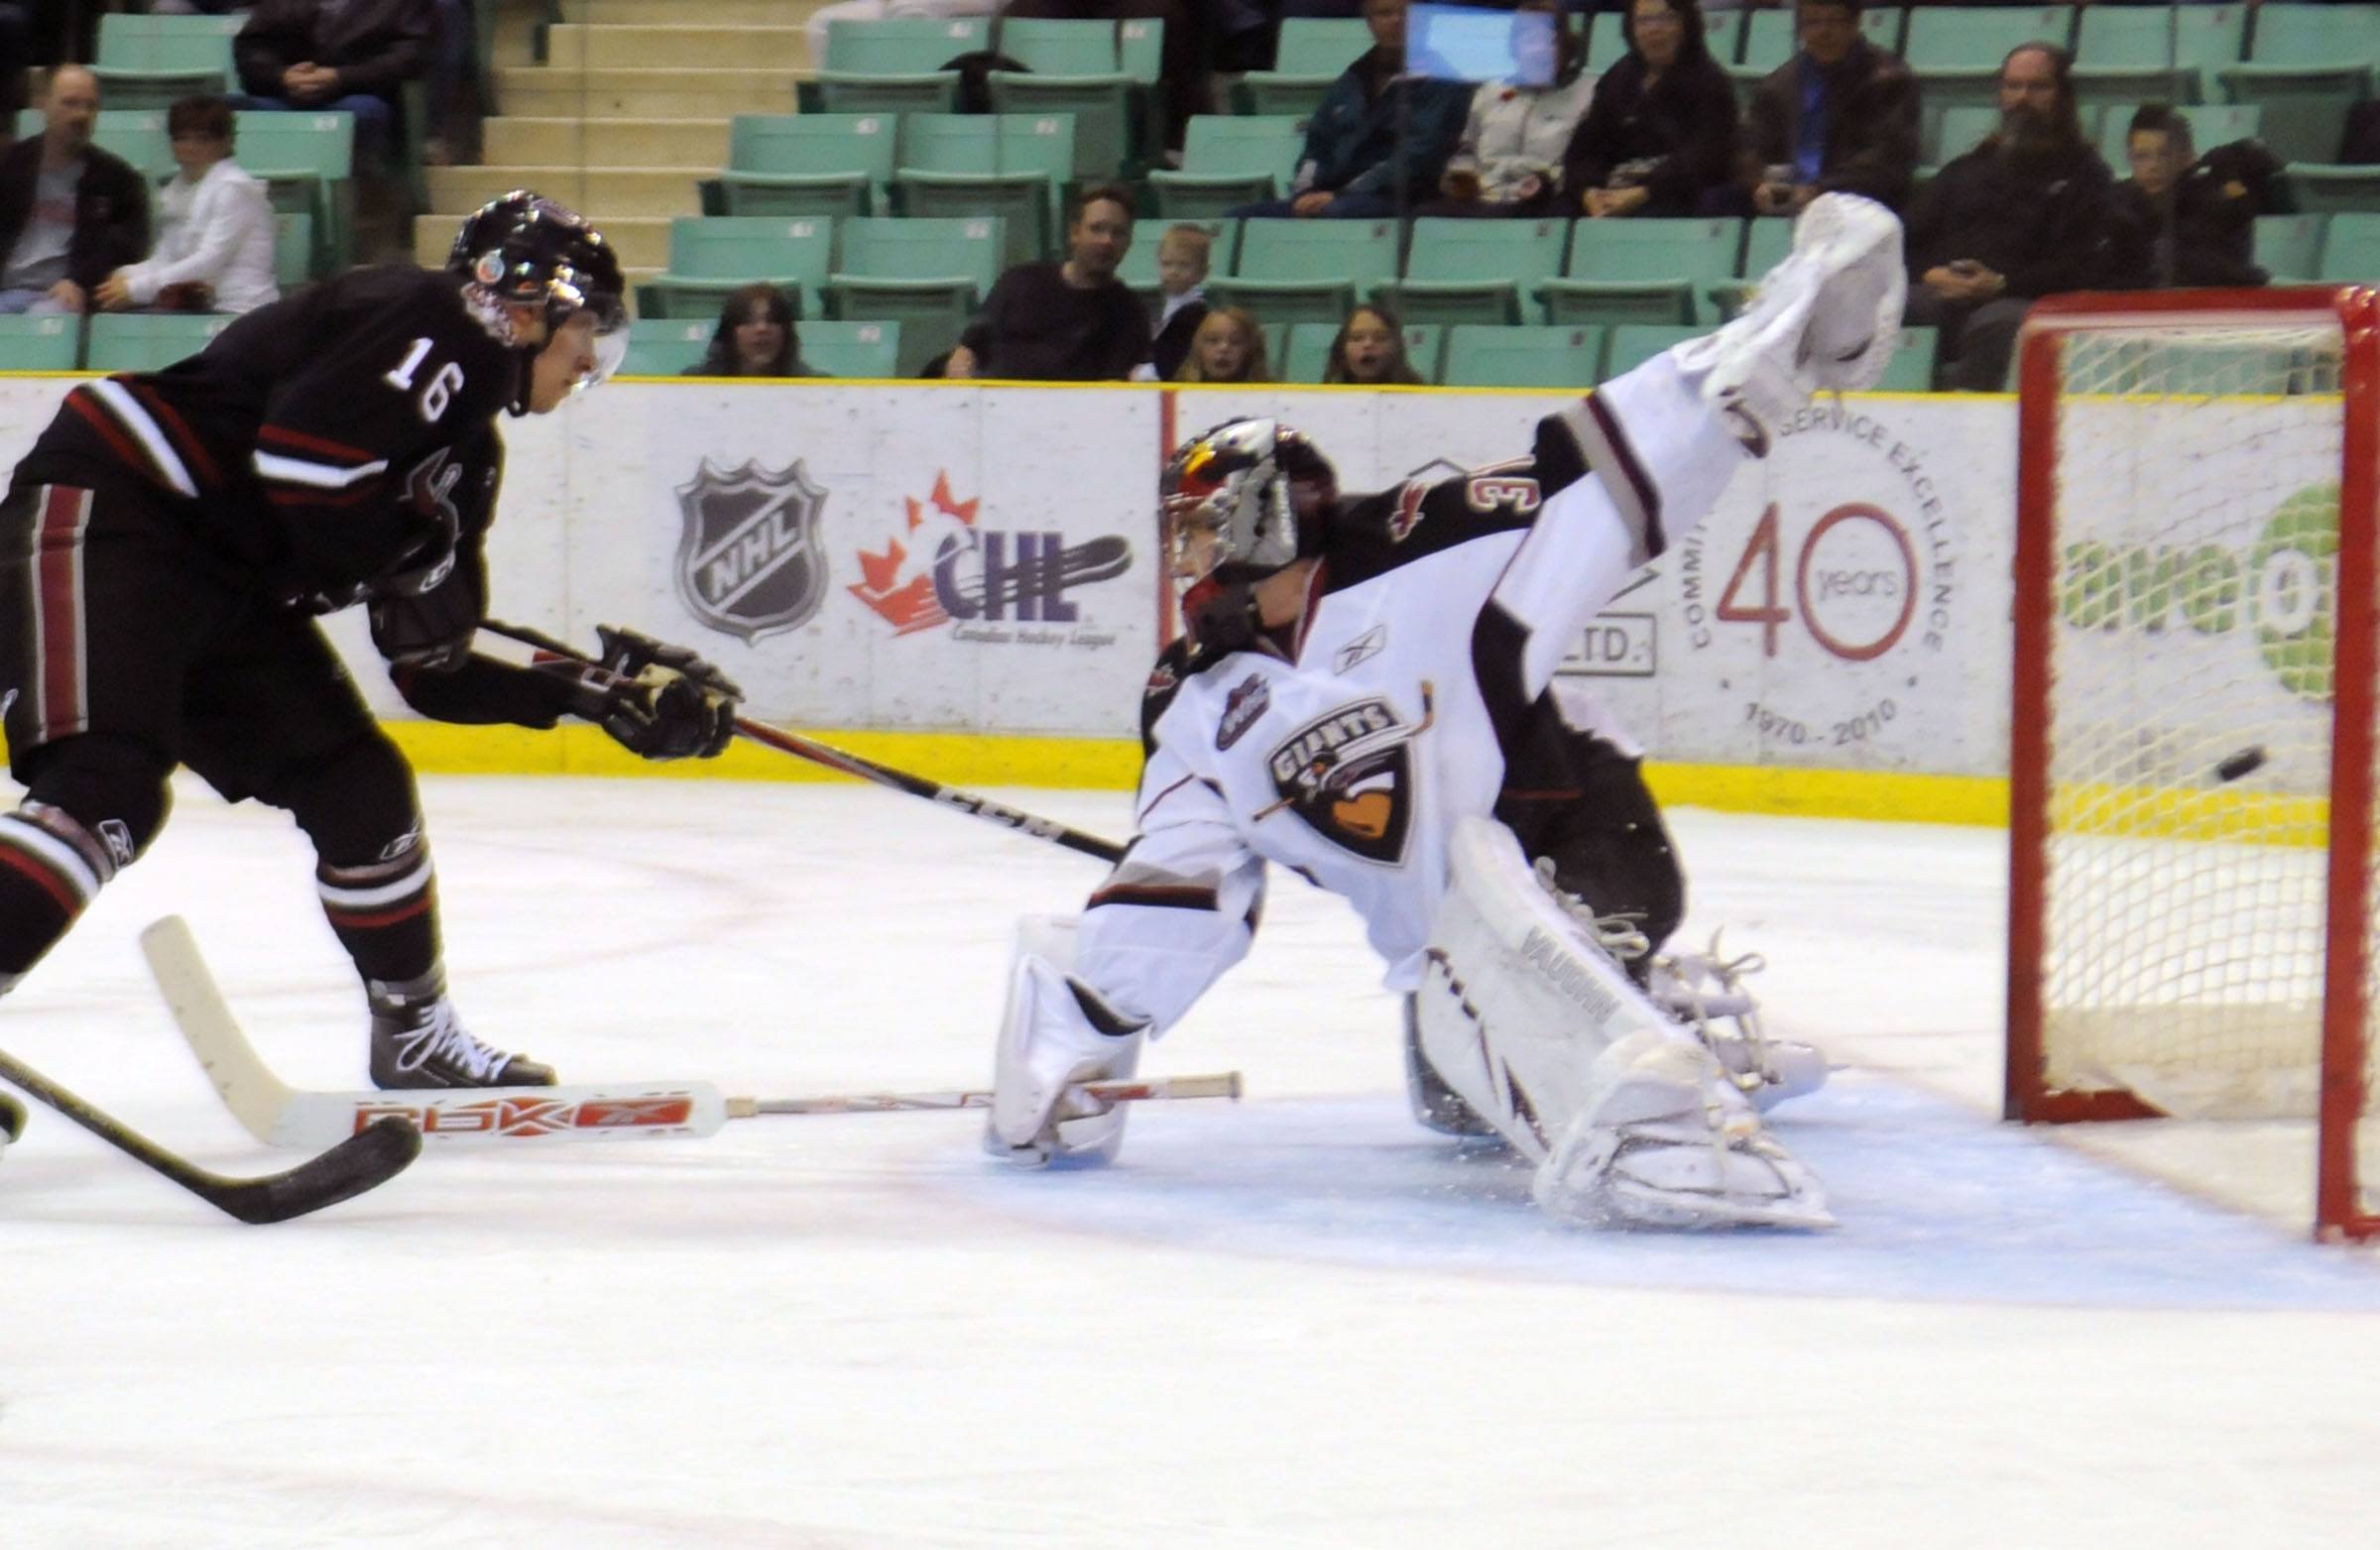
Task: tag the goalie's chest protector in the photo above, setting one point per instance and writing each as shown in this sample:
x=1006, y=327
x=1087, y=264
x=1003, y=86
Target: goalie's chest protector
x=1351, y=764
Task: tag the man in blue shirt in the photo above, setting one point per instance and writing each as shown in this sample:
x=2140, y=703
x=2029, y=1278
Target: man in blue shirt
x=1838, y=117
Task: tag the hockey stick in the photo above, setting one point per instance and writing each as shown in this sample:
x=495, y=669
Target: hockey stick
x=360, y=1160
x=279, y=1115
x=853, y=765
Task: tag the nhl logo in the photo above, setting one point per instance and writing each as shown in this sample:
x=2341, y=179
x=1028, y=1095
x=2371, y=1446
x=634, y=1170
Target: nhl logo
x=749, y=560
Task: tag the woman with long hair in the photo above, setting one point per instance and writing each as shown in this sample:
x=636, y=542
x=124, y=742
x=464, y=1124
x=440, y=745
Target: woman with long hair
x=1660, y=137
x=756, y=339
x=1369, y=351
x=1228, y=347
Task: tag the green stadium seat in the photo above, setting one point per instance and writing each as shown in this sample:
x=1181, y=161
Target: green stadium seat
x=1648, y=270
x=1978, y=37
x=307, y=162
x=1533, y=355
x=1140, y=51
x=2351, y=248
x=714, y=256
x=1015, y=167
x=2212, y=124
x=1885, y=26
x=2098, y=88
x=1306, y=355
x=2290, y=247
x=936, y=91
x=149, y=341
x=1768, y=40
x=2297, y=34
x=1139, y=266
x=138, y=135
x=1723, y=31
x=861, y=347
x=1312, y=54
x=1606, y=44
x=1957, y=131
x=1912, y=367
x=1425, y=348
x=49, y=343
x=153, y=61
x=902, y=46
x=805, y=164
x=1633, y=344
x=667, y=346
x=1298, y=271
x=2308, y=66
x=1228, y=159
x=1477, y=271
x=1766, y=241
x=928, y=275
x=2126, y=54
x=2328, y=186
x=1073, y=67
x=1276, y=352
x=293, y=249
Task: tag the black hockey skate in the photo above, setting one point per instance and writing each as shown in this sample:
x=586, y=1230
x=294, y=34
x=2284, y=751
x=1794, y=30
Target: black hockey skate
x=419, y=1040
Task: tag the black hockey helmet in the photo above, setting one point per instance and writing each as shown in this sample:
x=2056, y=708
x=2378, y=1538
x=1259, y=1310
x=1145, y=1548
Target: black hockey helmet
x=527, y=250
x=1249, y=492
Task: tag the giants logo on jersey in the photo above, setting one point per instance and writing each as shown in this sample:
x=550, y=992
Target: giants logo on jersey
x=1349, y=774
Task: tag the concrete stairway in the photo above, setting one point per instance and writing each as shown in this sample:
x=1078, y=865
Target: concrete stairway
x=628, y=111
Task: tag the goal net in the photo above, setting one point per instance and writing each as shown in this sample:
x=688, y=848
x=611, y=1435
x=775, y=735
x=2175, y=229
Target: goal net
x=2192, y=743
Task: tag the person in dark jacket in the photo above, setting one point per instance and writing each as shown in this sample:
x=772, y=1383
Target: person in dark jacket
x=1838, y=117
x=1073, y=321
x=2028, y=214
x=70, y=214
x=336, y=57
x=756, y=337
x=1660, y=137
x=1353, y=158
x=2191, y=223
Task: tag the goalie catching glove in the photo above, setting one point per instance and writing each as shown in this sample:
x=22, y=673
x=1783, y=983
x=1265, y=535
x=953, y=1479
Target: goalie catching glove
x=660, y=702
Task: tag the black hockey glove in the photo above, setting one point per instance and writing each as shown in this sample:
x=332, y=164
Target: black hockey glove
x=660, y=702
x=1221, y=617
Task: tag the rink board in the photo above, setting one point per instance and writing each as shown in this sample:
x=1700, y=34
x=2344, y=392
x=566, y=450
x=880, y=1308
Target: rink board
x=965, y=579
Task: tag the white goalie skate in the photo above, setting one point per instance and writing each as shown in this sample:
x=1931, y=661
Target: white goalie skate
x=1826, y=320
x=1706, y=991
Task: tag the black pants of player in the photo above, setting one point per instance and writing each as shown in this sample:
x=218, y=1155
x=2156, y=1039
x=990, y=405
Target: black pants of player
x=128, y=648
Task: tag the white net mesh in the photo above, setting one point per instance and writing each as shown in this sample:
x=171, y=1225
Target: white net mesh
x=2195, y=522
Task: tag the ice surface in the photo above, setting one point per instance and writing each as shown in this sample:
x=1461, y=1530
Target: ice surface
x=1300, y=1322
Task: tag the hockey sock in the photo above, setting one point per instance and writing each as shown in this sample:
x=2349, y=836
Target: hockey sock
x=94, y=804
x=373, y=870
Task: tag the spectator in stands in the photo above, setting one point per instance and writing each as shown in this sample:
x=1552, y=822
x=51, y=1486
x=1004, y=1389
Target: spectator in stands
x=2191, y=224
x=336, y=56
x=1355, y=158
x=1660, y=138
x=1508, y=161
x=70, y=214
x=1182, y=255
x=1229, y=347
x=1071, y=321
x=2029, y=212
x=214, y=243
x=1838, y=117
x=756, y=337
x=1370, y=350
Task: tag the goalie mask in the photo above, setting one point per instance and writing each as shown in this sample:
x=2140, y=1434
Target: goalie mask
x=522, y=250
x=1249, y=493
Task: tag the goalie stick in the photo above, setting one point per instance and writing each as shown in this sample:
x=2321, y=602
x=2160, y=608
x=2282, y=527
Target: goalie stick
x=853, y=765
x=360, y=1159
x=279, y=1115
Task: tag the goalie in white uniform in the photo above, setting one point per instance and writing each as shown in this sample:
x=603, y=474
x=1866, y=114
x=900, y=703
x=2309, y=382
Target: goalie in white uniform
x=1363, y=695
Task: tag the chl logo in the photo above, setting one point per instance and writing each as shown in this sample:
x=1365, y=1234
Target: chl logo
x=950, y=569
x=1348, y=775
x=749, y=560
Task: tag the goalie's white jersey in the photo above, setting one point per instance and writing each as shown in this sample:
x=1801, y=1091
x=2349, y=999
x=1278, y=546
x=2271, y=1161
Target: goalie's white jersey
x=1424, y=658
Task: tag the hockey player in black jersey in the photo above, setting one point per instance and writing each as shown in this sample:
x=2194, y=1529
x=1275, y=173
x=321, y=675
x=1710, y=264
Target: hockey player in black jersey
x=173, y=535
x=1366, y=695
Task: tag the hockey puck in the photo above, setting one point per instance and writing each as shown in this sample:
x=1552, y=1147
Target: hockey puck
x=2244, y=763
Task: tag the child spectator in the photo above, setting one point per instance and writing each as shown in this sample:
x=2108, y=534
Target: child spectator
x=1182, y=255
x=214, y=243
x=1229, y=347
x=756, y=337
x=1369, y=351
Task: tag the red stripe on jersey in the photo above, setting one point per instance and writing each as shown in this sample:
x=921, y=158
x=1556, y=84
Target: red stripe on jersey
x=124, y=446
x=281, y=435
x=364, y=920
x=44, y=877
x=283, y=493
x=58, y=612
x=186, y=441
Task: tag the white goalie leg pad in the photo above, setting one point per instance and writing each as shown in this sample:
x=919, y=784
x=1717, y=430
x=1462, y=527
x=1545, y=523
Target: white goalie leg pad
x=1517, y=1000
x=1664, y=1140
x=1049, y=1044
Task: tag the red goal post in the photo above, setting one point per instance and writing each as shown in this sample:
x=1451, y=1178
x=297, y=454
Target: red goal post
x=2191, y=873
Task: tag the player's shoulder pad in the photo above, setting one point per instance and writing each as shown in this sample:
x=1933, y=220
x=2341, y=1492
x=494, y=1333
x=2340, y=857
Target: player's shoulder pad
x=1176, y=663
